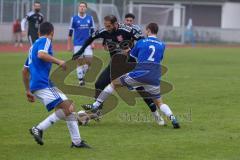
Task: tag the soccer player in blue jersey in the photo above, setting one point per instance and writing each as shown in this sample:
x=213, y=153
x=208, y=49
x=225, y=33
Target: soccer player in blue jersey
x=149, y=54
x=81, y=28
x=38, y=85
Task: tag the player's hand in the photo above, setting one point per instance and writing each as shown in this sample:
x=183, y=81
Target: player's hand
x=30, y=96
x=24, y=33
x=62, y=64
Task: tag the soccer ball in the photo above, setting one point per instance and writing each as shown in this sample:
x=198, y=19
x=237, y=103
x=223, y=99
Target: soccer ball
x=83, y=118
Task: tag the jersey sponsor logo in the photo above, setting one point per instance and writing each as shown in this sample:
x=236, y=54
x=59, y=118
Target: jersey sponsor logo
x=83, y=25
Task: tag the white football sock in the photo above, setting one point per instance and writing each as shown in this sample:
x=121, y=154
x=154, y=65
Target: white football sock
x=97, y=104
x=51, y=119
x=166, y=110
x=103, y=95
x=73, y=129
x=80, y=72
x=85, y=69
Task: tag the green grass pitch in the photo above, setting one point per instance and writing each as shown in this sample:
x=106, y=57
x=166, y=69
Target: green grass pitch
x=205, y=97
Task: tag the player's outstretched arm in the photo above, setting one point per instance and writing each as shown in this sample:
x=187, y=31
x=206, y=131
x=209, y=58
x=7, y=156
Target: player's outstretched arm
x=48, y=58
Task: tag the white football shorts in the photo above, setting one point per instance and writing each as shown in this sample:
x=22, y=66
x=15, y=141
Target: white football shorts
x=87, y=53
x=51, y=97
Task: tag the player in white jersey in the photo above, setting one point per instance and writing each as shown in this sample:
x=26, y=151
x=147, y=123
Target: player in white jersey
x=81, y=28
x=38, y=85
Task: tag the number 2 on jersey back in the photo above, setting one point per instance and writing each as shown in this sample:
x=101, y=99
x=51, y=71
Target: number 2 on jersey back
x=150, y=58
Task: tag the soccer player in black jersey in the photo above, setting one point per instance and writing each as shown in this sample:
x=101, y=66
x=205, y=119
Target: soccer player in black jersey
x=115, y=36
x=34, y=19
x=129, y=20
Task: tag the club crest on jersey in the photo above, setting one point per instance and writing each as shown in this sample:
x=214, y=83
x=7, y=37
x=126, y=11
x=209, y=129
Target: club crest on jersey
x=120, y=38
x=88, y=21
x=78, y=21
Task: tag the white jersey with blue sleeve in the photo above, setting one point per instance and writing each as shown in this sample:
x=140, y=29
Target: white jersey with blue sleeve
x=82, y=28
x=149, y=54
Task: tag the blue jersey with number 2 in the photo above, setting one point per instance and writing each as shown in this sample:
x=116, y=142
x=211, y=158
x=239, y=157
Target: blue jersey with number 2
x=149, y=54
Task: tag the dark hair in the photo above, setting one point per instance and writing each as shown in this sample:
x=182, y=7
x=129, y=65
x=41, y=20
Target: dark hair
x=111, y=18
x=37, y=2
x=83, y=3
x=130, y=15
x=153, y=27
x=46, y=28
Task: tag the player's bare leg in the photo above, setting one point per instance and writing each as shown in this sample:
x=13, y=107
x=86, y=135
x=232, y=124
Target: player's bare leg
x=167, y=111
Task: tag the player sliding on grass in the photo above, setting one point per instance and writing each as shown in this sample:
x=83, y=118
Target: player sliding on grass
x=38, y=65
x=149, y=54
